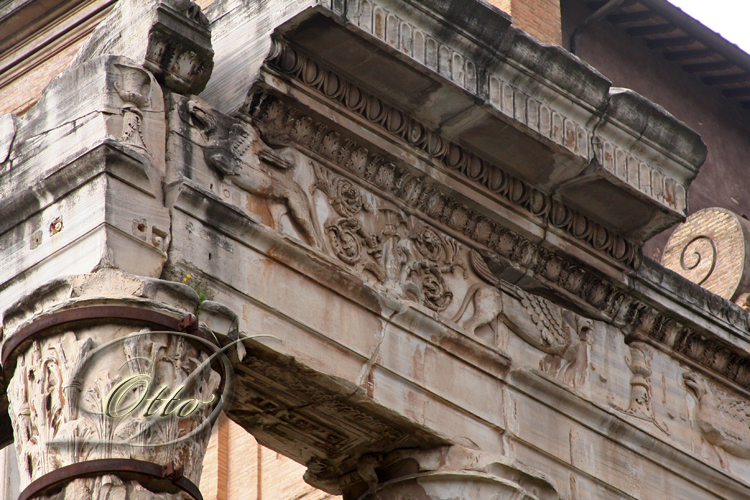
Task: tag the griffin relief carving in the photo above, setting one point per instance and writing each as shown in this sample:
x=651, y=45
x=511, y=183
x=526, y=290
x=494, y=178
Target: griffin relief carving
x=235, y=150
x=723, y=422
x=562, y=335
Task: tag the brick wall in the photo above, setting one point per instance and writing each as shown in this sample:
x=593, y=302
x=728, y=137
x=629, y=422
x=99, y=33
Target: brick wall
x=20, y=92
x=539, y=18
x=236, y=467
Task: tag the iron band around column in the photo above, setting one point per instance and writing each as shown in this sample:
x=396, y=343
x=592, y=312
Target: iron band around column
x=154, y=477
x=187, y=324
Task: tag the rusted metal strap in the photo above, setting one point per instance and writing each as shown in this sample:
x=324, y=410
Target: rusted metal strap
x=185, y=324
x=154, y=477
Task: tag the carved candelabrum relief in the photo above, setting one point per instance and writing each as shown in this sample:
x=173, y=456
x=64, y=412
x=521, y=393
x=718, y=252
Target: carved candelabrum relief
x=134, y=88
x=107, y=389
x=641, y=395
x=134, y=110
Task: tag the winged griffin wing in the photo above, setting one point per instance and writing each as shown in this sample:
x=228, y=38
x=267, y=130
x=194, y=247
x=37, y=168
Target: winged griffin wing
x=553, y=330
x=737, y=410
x=554, y=333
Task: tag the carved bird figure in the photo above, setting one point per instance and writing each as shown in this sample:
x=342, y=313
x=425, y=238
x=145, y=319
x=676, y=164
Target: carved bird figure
x=723, y=422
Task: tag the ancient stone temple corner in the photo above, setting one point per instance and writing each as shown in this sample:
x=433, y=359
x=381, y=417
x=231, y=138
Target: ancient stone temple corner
x=372, y=250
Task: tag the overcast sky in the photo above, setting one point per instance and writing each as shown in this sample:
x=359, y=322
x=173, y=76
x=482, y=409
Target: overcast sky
x=729, y=18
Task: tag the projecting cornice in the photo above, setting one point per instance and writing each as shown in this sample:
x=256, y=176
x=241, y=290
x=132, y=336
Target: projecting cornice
x=532, y=111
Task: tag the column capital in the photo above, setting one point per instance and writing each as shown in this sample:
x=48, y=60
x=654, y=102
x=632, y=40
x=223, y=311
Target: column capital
x=113, y=384
x=448, y=473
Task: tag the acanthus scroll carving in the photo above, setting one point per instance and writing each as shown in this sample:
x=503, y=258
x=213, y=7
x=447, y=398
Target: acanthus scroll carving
x=402, y=252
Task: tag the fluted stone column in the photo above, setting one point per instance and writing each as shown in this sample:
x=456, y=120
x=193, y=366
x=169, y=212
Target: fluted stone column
x=448, y=473
x=106, y=403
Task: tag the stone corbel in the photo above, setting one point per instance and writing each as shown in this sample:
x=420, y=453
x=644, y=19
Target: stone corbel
x=170, y=39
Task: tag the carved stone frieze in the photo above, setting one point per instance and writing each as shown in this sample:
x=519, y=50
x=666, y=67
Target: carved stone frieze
x=285, y=124
x=641, y=396
x=562, y=335
x=348, y=183
x=723, y=422
x=234, y=149
x=702, y=348
x=402, y=251
x=383, y=242
x=281, y=123
x=444, y=152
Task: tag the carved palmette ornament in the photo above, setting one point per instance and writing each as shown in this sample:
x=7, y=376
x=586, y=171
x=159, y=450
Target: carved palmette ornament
x=134, y=88
x=711, y=249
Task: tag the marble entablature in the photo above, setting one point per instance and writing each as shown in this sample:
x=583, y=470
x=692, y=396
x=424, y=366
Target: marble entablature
x=449, y=305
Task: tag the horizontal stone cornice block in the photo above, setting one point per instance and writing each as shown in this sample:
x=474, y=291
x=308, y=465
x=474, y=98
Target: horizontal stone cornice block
x=537, y=112
x=444, y=165
x=106, y=99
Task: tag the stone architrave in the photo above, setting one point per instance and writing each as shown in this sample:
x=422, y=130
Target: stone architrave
x=112, y=386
